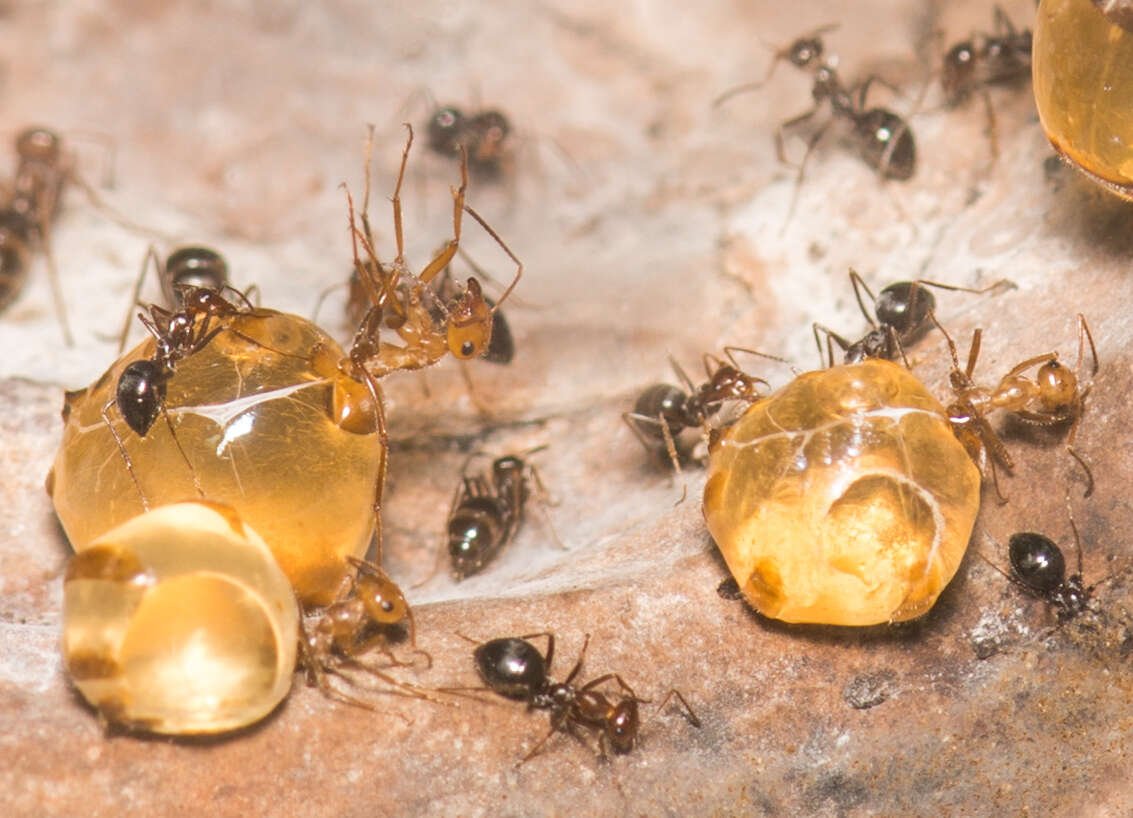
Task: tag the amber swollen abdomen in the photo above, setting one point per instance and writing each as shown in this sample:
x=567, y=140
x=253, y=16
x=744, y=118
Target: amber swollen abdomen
x=843, y=498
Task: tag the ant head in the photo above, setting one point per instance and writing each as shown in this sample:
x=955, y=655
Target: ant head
x=622, y=725
x=904, y=306
x=39, y=144
x=384, y=602
x=957, y=71
x=446, y=129
x=805, y=51
x=504, y=468
x=470, y=323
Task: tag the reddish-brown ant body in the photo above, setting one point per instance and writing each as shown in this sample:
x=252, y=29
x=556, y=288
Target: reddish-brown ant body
x=513, y=667
x=1055, y=397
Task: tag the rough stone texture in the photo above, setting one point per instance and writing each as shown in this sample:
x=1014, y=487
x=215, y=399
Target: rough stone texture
x=650, y=224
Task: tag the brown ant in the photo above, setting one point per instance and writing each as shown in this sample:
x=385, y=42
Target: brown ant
x=33, y=197
x=187, y=269
x=900, y=315
x=663, y=411
x=401, y=301
x=1055, y=397
x=369, y=612
x=884, y=139
x=513, y=667
x=1001, y=57
x=483, y=136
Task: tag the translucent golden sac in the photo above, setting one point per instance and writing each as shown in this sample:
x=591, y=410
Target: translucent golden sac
x=1082, y=66
x=180, y=621
x=843, y=498
x=269, y=425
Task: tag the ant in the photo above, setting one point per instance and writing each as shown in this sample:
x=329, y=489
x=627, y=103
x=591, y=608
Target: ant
x=986, y=59
x=663, y=411
x=401, y=301
x=884, y=139
x=187, y=269
x=487, y=511
x=900, y=315
x=369, y=611
x=513, y=667
x=1000, y=58
x=141, y=388
x=33, y=198
x=1055, y=397
x=483, y=137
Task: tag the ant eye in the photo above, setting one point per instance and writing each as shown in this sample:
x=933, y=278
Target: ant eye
x=467, y=348
x=387, y=606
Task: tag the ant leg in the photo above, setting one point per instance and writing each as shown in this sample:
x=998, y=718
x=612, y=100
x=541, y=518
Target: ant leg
x=496, y=237
x=53, y=278
x=688, y=713
x=151, y=253
x=1082, y=462
x=1077, y=537
x=780, y=150
x=378, y=398
x=859, y=284
x=184, y=456
x=442, y=259
x=1084, y=333
x=831, y=338
x=125, y=456
x=577, y=665
x=810, y=145
x=992, y=131
x=973, y=352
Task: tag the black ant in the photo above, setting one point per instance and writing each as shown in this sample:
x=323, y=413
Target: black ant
x=187, y=269
x=884, y=139
x=663, y=411
x=1001, y=57
x=33, y=199
x=369, y=611
x=487, y=511
x=141, y=388
x=900, y=315
x=483, y=136
x=1055, y=397
x=513, y=667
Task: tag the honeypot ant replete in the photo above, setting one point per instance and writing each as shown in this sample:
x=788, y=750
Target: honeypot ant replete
x=900, y=316
x=883, y=138
x=513, y=667
x=1055, y=397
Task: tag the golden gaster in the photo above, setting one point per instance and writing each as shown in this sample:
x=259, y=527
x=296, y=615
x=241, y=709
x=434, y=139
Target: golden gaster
x=268, y=425
x=1082, y=67
x=180, y=621
x=843, y=499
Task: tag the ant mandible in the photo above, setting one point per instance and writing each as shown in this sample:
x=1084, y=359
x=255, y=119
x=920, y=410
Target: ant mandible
x=884, y=139
x=900, y=315
x=369, y=611
x=1055, y=397
x=513, y=667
